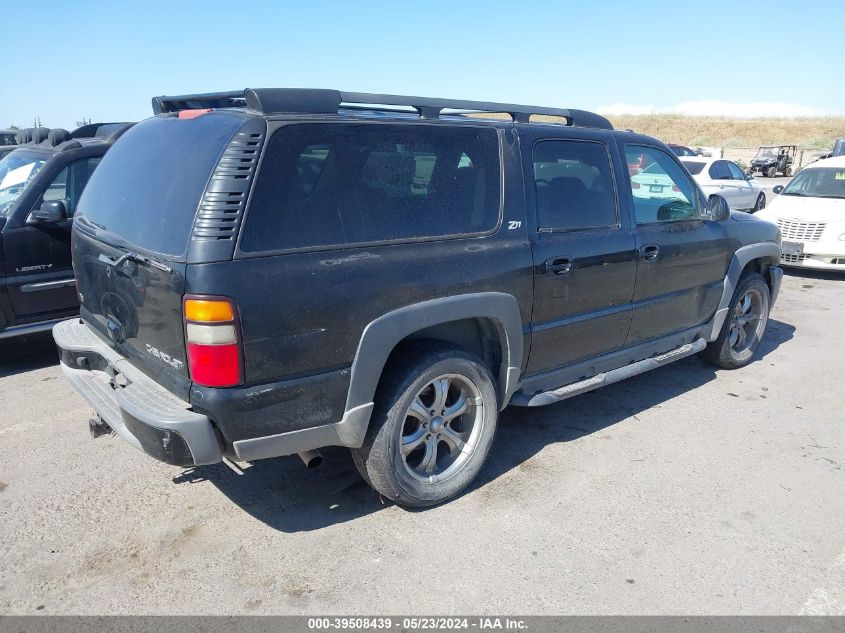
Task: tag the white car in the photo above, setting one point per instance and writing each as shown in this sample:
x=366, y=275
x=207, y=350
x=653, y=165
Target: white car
x=717, y=175
x=810, y=212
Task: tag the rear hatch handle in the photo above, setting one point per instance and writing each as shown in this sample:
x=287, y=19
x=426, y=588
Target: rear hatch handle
x=132, y=256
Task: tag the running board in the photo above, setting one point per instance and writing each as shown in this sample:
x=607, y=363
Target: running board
x=30, y=328
x=606, y=378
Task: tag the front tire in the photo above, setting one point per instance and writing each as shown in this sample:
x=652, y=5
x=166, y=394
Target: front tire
x=745, y=324
x=771, y=172
x=432, y=427
x=760, y=204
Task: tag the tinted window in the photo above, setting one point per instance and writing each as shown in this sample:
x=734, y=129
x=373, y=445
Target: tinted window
x=574, y=185
x=694, y=168
x=69, y=184
x=336, y=184
x=719, y=171
x=664, y=194
x=736, y=172
x=149, y=185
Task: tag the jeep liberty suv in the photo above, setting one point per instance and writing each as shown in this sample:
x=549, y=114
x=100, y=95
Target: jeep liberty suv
x=268, y=272
x=41, y=181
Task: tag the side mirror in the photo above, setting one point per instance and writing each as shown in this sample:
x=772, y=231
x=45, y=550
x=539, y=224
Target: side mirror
x=749, y=176
x=718, y=206
x=49, y=213
x=777, y=189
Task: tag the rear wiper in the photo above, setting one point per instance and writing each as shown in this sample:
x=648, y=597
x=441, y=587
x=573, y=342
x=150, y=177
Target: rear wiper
x=132, y=256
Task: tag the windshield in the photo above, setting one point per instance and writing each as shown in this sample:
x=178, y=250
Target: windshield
x=819, y=182
x=16, y=170
x=767, y=152
x=694, y=167
x=147, y=189
x=8, y=138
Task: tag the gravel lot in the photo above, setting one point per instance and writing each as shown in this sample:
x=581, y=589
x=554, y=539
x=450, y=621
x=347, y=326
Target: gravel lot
x=682, y=491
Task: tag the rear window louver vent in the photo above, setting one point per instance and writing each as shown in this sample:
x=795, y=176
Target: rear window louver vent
x=222, y=205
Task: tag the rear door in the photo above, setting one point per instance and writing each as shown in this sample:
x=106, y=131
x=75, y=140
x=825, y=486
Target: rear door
x=584, y=250
x=682, y=256
x=746, y=196
x=40, y=276
x=726, y=186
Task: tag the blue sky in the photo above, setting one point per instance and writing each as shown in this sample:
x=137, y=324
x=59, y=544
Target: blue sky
x=106, y=60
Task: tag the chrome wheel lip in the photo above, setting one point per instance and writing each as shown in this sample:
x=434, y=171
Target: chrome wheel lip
x=748, y=322
x=460, y=445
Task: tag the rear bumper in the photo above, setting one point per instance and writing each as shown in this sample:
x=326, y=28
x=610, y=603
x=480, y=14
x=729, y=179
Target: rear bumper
x=140, y=410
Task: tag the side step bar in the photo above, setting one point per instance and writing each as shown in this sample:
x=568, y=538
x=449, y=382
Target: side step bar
x=606, y=378
x=30, y=328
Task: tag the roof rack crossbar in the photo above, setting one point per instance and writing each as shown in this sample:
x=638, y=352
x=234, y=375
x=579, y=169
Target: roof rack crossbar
x=296, y=100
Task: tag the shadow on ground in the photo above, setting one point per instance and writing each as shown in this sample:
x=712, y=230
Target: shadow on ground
x=809, y=273
x=286, y=496
x=25, y=353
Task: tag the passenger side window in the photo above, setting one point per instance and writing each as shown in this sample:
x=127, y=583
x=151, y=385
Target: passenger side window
x=68, y=185
x=662, y=192
x=331, y=185
x=574, y=185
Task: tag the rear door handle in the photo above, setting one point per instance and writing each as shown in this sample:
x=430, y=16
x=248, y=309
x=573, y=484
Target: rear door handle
x=649, y=252
x=558, y=265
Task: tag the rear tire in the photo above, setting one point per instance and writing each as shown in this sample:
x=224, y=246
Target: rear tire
x=788, y=172
x=432, y=427
x=744, y=326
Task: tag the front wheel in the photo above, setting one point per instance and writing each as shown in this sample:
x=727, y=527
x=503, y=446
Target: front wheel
x=432, y=428
x=771, y=172
x=760, y=204
x=745, y=324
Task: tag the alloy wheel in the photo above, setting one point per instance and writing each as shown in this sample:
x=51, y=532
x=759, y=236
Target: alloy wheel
x=747, y=322
x=441, y=429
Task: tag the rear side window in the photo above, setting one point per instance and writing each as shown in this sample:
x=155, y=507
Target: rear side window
x=148, y=186
x=324, y=185
x=574, y=185
x=719, y=171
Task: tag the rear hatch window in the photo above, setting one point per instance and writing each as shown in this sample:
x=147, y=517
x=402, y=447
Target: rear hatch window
x=148, y=187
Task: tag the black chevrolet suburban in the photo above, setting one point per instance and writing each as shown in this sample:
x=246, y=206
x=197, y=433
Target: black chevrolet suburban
x=268, y=272
x=41, y=181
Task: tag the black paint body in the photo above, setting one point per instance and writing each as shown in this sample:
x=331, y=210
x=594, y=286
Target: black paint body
x=302, y=314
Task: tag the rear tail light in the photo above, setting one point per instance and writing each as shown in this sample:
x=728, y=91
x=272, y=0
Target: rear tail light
x=675, y=188
x=635, y=185
x=213, y=341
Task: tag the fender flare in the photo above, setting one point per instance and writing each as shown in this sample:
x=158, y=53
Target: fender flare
x=763, y=250
x=381, y=336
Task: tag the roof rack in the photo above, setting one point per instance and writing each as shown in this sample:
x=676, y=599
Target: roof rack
x=317, y=101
